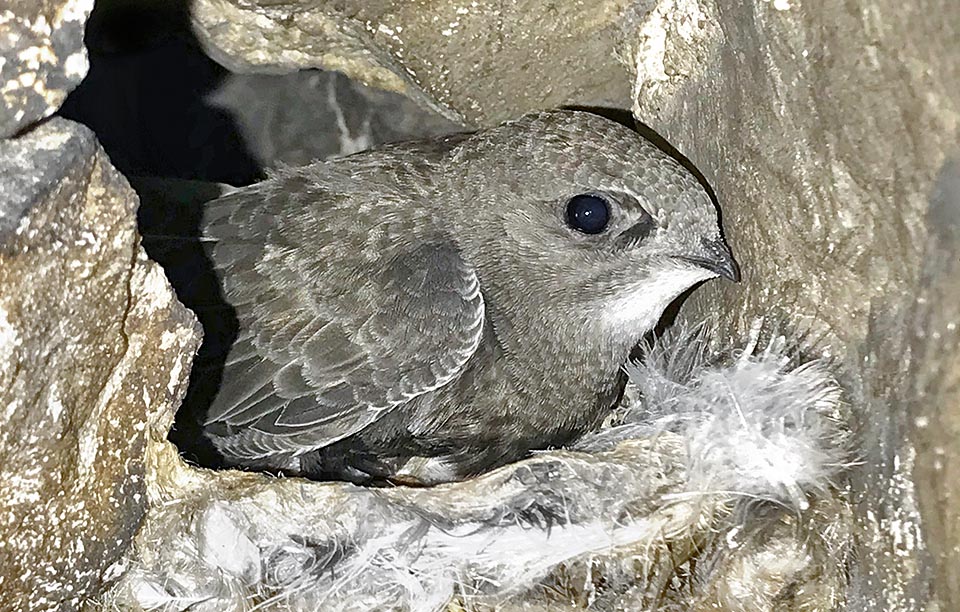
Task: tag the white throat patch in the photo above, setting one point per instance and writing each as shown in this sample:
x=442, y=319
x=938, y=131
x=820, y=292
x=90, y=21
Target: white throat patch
x=639, y=309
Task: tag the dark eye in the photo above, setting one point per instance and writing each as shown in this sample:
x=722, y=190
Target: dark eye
x=589, y=214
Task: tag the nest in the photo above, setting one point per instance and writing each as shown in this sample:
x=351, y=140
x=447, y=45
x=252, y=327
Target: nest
x=714, y=487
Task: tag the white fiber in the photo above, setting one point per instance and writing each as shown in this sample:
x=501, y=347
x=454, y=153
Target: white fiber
x=708, y=432
x=755, y=424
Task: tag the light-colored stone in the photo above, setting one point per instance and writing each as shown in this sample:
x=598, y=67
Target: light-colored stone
x=476, y=61
x=94, y=352
x=822, y=127
x=934, y=409
x=42, y=58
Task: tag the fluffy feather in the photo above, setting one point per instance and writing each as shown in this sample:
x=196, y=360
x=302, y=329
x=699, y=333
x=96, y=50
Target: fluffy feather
x=710, y=431
x=755, y=423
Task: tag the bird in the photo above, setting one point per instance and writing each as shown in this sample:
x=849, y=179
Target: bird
x=428, y=311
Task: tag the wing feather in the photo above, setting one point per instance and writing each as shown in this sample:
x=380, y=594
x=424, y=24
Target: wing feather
x=342, y=314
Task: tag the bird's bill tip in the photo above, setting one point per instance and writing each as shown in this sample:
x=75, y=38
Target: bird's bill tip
x=717, y=258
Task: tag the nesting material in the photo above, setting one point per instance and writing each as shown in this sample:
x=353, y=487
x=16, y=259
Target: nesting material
x=755, y=423
x=725, y=464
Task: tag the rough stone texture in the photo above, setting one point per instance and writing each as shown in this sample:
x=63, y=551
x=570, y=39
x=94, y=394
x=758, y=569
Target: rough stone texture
x=93, y=354
x=935, y=418
x=41, y=58
x=298, y=118
x=822, y=127
x=152, y=95
x=479, y=61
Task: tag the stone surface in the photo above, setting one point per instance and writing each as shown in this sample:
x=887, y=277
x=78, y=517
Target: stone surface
x=94, y=350
x=934, y=415
x=822, y=127
x=41, y=58
x=153, y=97
x=298, y=118
x=479, y=61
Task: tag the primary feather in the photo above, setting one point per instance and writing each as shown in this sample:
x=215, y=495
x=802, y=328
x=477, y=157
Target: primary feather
x=331, y=336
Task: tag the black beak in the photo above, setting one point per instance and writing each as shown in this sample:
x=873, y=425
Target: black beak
x=718, y=259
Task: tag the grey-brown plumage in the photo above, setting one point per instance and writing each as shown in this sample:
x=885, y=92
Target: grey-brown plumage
x=432, y=310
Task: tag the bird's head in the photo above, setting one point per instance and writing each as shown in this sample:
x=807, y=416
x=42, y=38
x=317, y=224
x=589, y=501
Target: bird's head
x=581, y=223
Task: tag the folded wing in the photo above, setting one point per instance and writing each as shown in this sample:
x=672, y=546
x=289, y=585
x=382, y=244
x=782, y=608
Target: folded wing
x=348, y=307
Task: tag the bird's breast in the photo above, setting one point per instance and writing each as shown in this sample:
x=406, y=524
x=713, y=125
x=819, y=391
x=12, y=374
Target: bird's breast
x=532, y=398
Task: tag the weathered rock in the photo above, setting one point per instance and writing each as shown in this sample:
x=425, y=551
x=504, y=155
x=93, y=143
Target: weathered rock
x=152, y=95
x=822, y=127
x=934, y=417
x=298, y=118
x=479, y=62
x=93, y=355
x=41, y=58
